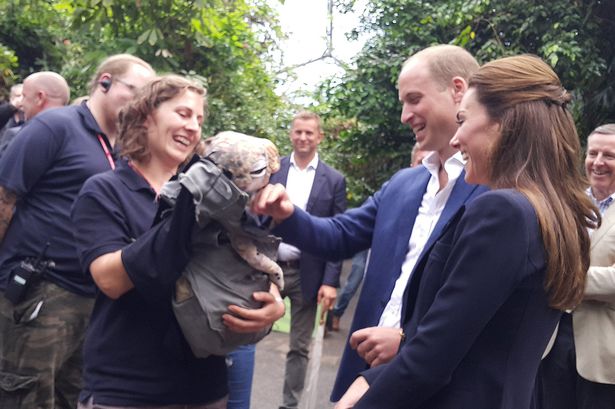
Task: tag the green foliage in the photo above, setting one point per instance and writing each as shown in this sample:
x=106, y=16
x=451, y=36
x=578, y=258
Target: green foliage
x=574, y=36
x=8, y=63
x=33, y=32
x=222, y=43
x=228, y=44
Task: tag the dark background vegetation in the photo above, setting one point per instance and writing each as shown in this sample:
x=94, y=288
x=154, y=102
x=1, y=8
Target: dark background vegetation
x=229, y=46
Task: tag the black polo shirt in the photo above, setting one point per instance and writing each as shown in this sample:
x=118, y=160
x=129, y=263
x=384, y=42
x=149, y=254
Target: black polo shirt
x=56, y=152
x=135, y=353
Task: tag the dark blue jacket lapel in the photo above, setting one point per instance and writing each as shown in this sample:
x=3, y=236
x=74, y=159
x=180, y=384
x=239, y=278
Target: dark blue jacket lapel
x=281, y=175
x=410, y=208
x=459, y=197
x=317, y=186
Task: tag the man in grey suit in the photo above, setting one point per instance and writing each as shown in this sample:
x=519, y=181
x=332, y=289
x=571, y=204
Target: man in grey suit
x=321, y=191
x=579, y=371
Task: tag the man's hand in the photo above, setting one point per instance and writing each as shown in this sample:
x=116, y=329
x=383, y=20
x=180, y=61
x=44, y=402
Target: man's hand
x=7, y=209
x=326, y=297
x=353, y=394
x=272, y=200
x=376, y=345
x=247, y=320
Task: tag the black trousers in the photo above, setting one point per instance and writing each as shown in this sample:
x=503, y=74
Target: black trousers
x=558, y=384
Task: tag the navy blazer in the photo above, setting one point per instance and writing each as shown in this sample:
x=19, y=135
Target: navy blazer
x=327, y=198
x=476, y=315
x=384, y=223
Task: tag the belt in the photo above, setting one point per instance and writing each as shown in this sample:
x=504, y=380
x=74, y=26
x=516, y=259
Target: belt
x=289, y=263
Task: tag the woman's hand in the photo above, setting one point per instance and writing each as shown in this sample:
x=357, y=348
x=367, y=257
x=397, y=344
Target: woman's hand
x=248, y=320
x=353, y=394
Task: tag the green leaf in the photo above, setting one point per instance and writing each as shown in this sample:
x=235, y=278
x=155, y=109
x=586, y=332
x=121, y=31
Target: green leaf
x=153, y=37
x=143, y=37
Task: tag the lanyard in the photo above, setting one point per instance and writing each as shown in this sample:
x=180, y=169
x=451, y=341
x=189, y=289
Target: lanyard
x=106, y=149
x=138, y=172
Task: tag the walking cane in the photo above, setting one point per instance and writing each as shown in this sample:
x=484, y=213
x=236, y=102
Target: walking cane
x=310, y=392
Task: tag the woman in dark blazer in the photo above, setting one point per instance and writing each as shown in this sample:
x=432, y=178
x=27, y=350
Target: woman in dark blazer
x=483, y=302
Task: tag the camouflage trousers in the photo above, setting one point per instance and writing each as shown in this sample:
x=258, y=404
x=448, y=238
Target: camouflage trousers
x=41, y=341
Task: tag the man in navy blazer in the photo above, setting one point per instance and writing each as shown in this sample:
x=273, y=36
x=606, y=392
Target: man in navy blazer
x=402, y=218
x=310, y=280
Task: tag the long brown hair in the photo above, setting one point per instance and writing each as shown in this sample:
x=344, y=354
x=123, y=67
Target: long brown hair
x=539, y=154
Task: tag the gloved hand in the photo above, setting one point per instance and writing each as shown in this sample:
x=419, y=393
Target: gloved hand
x=215, y=196
x=156, y=259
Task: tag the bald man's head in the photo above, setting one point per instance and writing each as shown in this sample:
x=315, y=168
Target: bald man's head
x=44, y=90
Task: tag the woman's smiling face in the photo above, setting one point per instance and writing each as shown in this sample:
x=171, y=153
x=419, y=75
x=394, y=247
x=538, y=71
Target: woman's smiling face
x=476, y=138
x=174, y=128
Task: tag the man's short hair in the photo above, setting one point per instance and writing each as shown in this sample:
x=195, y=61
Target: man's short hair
x=306, y=116
x=606, y=129
x=116, y=65
x=446, y=61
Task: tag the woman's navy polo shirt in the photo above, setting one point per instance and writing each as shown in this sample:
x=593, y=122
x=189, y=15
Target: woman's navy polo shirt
x=134, y=353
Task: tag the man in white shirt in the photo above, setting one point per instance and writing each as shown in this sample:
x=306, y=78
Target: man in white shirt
x=403, y=218
x=320, y=190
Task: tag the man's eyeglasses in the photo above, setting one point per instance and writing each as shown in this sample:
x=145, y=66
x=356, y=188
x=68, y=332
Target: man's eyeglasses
x=126, y=84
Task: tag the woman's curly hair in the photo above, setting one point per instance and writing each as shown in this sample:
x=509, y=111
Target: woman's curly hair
x=132, y=139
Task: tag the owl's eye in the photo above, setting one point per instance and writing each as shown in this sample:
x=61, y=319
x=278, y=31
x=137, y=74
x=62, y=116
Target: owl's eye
x=258, y=172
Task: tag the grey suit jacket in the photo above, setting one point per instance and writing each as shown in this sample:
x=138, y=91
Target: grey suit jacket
x=594, y=320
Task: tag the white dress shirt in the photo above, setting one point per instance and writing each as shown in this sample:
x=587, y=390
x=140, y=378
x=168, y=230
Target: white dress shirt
x=298, y=186
x=428, y=215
